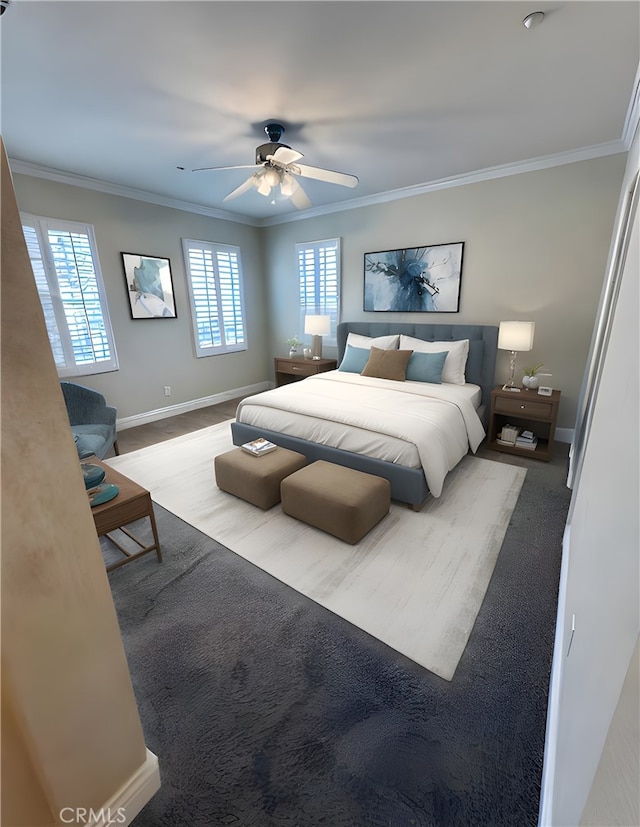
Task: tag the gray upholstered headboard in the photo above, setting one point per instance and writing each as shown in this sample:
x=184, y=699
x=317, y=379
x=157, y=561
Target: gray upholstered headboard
x=483, y=345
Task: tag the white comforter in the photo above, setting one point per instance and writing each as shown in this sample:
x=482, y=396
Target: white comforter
x=439, y=420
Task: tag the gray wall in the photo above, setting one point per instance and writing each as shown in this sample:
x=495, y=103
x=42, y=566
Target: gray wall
x=153, y=353
x=535, y=248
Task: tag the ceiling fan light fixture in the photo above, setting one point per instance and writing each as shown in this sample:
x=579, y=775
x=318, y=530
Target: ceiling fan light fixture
x=271, y=176
x=264, y=187
x=288, y=185
x=532, y=20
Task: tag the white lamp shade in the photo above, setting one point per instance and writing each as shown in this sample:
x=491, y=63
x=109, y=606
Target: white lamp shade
x=317, y=325
x=516, y=336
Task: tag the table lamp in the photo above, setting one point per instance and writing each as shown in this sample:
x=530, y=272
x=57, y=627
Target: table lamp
x=317, y=326
x=515, y=336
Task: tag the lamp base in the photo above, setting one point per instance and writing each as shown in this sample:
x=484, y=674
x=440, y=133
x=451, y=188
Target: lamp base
x=510, y=384
x=316, y=347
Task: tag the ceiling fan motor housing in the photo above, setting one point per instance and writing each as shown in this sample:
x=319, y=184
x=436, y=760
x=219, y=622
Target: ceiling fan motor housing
x=274, y=132
x=267, y=149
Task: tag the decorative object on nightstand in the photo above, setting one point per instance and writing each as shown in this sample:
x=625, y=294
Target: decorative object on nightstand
x=293, y=343
x=524, y=425
x=515, y=337
x=317, y=326
x=531, y=378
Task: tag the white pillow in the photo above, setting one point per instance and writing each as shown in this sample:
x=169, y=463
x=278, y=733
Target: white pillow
x=382, y=342
x=456, y=361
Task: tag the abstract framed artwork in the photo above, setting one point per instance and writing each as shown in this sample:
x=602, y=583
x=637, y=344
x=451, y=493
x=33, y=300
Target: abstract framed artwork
x=149, y=286
x=414, y=279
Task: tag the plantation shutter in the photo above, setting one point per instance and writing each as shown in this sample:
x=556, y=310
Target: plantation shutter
x=215, y=290
x=319, y=281
x=66, y=269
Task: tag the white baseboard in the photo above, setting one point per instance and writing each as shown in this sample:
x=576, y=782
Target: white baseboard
x=565, y=435
x=192, y=405
x=126, y=803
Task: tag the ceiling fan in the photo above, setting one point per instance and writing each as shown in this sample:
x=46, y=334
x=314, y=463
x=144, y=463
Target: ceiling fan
x=277, y=166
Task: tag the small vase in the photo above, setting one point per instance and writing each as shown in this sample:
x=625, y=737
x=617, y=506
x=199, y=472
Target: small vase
x=293, y=352
x=530, y=382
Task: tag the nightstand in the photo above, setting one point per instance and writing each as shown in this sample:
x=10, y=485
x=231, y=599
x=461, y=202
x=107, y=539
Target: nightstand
x=291, y=370
x=526, y=410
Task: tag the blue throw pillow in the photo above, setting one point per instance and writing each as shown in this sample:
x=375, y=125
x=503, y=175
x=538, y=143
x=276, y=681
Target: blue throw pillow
x=426, y=367
x=354, y=359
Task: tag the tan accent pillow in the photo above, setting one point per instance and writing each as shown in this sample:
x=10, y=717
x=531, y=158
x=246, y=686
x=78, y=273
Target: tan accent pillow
x=387, y=364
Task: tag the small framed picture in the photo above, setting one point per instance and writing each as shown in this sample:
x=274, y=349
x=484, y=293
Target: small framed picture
x=149, y=286
x=544, y=391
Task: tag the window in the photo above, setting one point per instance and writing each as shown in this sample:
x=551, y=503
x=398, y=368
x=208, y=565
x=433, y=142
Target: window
x=65, y=264
x=215, y=288
x=319, y=278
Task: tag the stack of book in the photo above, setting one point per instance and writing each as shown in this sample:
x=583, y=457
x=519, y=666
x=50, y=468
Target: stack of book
x=259, y=447
x=527, y=440
x=508, y=435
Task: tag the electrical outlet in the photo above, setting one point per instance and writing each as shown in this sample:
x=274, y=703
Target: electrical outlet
x=167, y=390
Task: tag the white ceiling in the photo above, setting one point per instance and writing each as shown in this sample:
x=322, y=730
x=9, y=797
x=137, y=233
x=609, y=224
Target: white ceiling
x=398, y=93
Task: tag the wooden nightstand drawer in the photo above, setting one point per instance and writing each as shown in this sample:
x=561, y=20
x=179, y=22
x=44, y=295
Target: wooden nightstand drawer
x=304, y=367
x=523, y=407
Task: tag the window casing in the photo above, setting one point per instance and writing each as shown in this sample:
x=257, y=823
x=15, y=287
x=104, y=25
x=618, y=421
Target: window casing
x=214, y=278
x=319, y=282
x=65, y=264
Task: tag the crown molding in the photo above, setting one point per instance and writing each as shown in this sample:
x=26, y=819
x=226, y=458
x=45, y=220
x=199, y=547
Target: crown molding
x=503, y=171
x=490, y=173
x=37, y=171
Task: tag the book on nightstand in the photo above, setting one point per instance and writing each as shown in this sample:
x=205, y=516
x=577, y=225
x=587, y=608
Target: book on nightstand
x=527, y=440
x=508, y=435
x=259, y=447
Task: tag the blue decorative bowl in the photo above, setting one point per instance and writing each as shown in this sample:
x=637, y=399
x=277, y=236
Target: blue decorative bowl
x=93, y=474
x=103, y=493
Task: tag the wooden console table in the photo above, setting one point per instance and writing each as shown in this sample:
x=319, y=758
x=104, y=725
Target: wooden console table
x=132, y=503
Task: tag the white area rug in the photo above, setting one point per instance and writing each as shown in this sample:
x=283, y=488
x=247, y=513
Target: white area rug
x=415, y=582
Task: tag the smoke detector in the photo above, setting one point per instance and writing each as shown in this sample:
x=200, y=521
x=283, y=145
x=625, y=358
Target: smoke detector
x=534, y=19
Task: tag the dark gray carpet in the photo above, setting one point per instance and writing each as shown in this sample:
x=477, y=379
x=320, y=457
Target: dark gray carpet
x=265, y=709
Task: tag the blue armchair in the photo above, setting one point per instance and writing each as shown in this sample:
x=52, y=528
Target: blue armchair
x=92, y=421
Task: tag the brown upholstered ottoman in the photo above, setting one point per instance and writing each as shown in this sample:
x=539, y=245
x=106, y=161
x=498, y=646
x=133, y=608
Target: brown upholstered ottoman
x=338, y=500
x=256, y=479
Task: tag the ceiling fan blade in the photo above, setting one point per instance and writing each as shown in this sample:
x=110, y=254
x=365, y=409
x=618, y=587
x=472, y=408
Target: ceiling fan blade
x=327, y=175
x=212, y=169
x=299, y=198
x=252, y=181
x=284, y=155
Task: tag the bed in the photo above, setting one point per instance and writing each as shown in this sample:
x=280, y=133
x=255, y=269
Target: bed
x=411, y=433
